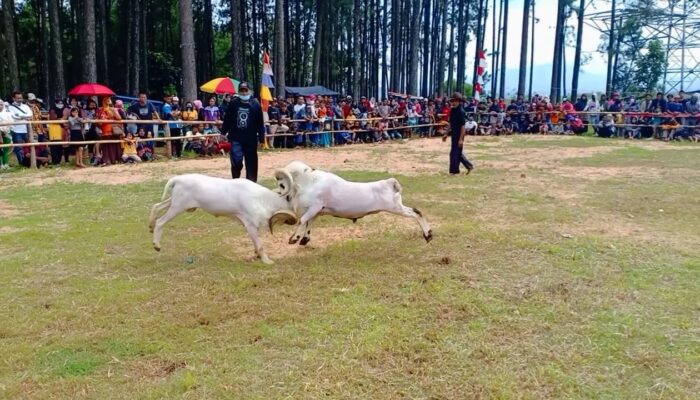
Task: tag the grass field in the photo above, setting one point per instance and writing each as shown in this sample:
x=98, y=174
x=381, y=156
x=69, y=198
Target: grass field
x=560, y=268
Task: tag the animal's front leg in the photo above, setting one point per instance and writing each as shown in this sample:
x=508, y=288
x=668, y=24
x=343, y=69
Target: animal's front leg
x=306, y=238
x=257, y=243
x=304, y=225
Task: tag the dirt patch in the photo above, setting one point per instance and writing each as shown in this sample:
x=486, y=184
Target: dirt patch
x=154, y=368
x=6, y=230
x=7, y=209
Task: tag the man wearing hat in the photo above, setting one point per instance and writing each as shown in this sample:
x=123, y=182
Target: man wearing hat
x=245, y=129
x=458, y=118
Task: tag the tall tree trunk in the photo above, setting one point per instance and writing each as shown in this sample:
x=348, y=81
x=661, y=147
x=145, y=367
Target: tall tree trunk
x=59, y=81
x=426, y=49
x=615, y=76
x=8, y=22
x=189, y=69
x=556, y=58
x=523, y=48
x=611, y=43
x=136, y=46
x=451, y=57
x=502, y=86
x=103, y=15
x=280, y=48
x=318, y=45
x=89, y=45
x=443, y=43
x=494, y=51
x=577, y=56
x=237, y=40
x=144, y=50
x=461, y=46
x=385, y=68
x=44, y=61
x=480, y=28
x=356, y=49
x=415, y=43
x=532, y=49
x=129, y=46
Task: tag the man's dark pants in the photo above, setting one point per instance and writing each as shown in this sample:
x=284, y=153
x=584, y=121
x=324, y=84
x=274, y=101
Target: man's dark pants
x=457, y=156
x=19, y=153
x=241, y=151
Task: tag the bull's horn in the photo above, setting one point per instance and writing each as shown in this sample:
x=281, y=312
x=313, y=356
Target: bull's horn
x=284, y=181
x=282, y=217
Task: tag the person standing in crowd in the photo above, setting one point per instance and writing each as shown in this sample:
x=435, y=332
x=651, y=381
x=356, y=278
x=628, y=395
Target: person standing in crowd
x=55, y=132
x=20, y=112
x=245, y=129
x=5, y=135
x=110, y=153
x=212, y=114
x=458, y=119
x=75, y=126
x=145, y=110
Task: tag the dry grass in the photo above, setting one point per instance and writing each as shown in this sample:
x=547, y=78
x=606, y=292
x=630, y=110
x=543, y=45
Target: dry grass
x=547, y=278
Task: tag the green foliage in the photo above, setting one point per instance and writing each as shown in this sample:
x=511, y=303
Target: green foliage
x=650, y=67
x=468, y=89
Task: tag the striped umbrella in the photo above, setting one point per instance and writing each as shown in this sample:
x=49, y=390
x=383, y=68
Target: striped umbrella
x=221, y=86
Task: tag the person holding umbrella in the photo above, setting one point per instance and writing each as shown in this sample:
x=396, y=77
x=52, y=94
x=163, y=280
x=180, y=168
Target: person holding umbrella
x=245, y=129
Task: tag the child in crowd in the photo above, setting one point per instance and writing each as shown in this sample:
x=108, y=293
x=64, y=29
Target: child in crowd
x=129, y=152
x=75, y=125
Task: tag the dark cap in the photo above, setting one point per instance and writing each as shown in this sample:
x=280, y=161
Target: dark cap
x=243, y=85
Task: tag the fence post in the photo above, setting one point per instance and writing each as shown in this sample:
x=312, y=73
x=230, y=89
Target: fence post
x=32, y=149
x=168, y=144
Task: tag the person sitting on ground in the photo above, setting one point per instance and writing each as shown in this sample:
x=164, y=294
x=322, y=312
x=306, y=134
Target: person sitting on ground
x=606, y=126
x=670, y=129
x=129, y=152
x=471, y=127
x=145, y=148
x=41, y=152
x=632, y=129
x=344, y=137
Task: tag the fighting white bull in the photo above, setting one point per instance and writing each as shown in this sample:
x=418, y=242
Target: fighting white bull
x=313, y=192
x=253, y=204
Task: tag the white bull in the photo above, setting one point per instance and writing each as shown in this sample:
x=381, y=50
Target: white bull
x=312, y=192
x=253, y=204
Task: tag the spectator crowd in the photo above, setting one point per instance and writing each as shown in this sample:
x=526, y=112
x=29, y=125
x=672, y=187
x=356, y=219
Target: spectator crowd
x=318, y=121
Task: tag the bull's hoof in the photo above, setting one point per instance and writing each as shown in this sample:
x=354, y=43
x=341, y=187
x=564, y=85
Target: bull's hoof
x=429, y=236
x=156, y=247
x=304, y=241
x=266, y=260
x=293, y=239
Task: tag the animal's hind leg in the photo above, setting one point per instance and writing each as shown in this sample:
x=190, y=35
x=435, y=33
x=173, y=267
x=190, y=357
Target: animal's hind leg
x=400, y=209
x=155, y=210
x=158, y=231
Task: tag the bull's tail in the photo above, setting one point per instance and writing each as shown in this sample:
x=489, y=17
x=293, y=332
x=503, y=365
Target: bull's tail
x=167, y=192
x=396, y=185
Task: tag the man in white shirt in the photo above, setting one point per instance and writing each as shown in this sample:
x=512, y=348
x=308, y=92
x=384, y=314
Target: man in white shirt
x=20, y=113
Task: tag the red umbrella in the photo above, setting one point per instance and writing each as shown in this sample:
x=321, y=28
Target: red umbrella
x=91, y=89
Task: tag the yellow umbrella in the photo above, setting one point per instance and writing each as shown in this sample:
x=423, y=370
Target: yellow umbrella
x=220, y=86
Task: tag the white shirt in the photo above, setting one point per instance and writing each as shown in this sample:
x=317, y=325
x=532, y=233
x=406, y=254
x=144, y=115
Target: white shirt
x=470, y=125
x=21, y=112
x=5, y=116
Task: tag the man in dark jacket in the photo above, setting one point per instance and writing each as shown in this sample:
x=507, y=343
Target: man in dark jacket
x=244, y=127
x=458, y=117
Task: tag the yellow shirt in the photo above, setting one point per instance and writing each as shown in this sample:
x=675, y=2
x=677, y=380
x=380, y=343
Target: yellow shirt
x=55, y=132
x=128, y=147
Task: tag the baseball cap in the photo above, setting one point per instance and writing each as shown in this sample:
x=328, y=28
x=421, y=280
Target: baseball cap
x=175, y=98
x=243, y=86
x=31, y=96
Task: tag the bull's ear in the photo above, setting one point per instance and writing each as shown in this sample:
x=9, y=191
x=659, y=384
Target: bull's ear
x=282, y=217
